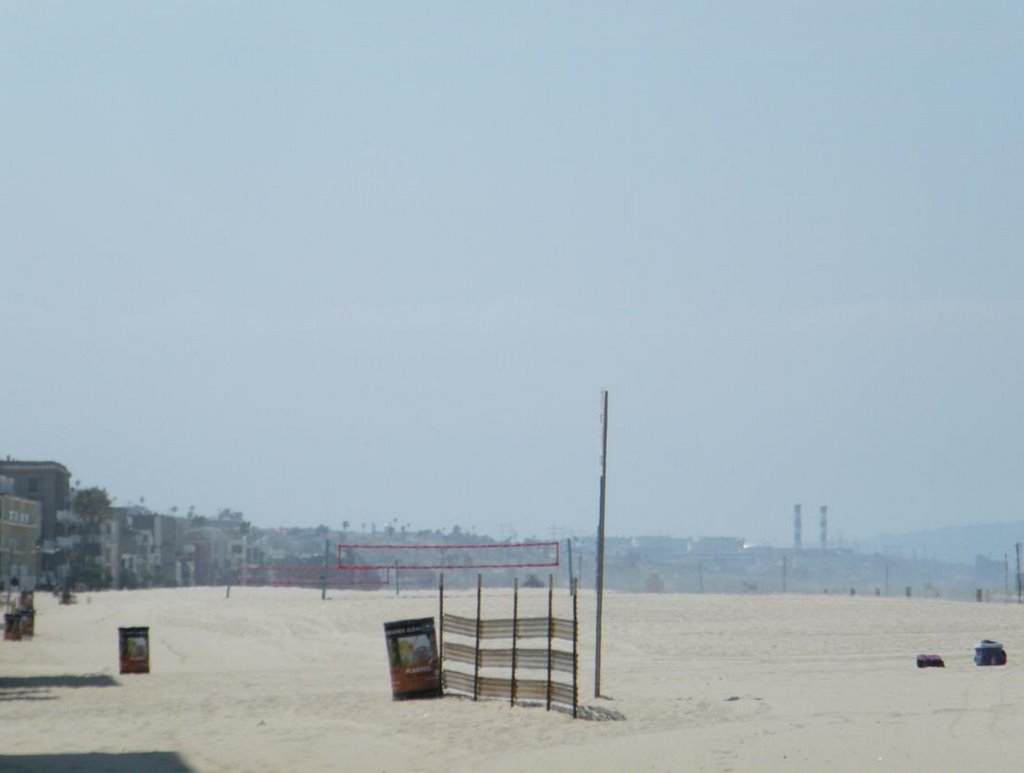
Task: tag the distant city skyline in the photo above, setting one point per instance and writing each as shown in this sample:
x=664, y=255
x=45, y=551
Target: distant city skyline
x=355, y=262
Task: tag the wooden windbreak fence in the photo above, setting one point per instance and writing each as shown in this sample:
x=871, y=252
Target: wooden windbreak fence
x=555, y=662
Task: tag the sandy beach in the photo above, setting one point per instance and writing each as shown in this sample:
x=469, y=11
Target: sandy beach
x=275, y=679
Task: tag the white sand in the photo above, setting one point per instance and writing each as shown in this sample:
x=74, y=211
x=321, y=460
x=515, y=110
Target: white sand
x=277, y=680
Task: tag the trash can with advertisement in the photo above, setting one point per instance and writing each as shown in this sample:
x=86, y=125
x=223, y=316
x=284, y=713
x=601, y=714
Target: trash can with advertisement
x=28, y=622
x=412, y=656
x=27, y=608
x=989, y=653
x=134, y=650
x=12, y=626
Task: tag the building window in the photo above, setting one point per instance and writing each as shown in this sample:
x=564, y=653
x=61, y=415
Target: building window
x=33, y=485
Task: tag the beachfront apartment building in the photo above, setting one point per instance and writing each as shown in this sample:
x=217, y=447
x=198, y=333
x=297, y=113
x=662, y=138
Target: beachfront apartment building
x=159, y=542
x=140, y=547
x=19, y=536
x=48, y=483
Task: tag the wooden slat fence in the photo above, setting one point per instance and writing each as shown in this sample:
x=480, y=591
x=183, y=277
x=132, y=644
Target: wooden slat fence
x=549, y=659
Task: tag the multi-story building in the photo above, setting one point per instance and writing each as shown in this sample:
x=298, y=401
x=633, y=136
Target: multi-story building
x=208, y=554
x=142, y=547
x=49, y=484
x=158, y=543
x=19, y=536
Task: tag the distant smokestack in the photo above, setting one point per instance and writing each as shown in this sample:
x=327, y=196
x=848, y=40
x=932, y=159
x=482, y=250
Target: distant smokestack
x=797, y=527
x=824, y=527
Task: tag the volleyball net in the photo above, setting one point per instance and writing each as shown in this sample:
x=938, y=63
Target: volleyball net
x=502, y=555
x=307, y=576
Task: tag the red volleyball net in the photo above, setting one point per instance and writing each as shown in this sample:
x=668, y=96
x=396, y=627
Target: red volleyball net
x=501, y=555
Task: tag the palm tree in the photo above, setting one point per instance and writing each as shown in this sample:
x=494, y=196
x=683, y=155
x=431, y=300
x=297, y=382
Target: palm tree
x=92, y=505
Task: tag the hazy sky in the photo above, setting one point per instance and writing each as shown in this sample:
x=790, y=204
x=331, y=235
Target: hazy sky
x=361, y=261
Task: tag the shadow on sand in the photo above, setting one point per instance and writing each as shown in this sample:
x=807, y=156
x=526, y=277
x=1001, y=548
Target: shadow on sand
x=63, y=680
x=150, y=762
x=38, y=688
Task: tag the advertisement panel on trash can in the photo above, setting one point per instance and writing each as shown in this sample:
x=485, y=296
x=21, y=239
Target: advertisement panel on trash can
x=134, y=650
x=412, y=656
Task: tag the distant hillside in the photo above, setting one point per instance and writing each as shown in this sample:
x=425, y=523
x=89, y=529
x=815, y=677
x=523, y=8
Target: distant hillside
x=959, y=544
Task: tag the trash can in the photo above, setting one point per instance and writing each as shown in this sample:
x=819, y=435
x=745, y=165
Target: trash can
x=412, y=656
x=28, y=622
x=12, y=626
x=989, y=653
x=133, y=645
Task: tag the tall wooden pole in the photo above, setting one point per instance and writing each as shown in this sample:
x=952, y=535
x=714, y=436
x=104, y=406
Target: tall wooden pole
x=476, y=653
x=572, y=581
x=575, y=646
x=1006, y=575
x=515, y=640
x=323, y=577
x=440, y=618
x=551, y=632
x=1020, y=588
x=600, y=541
